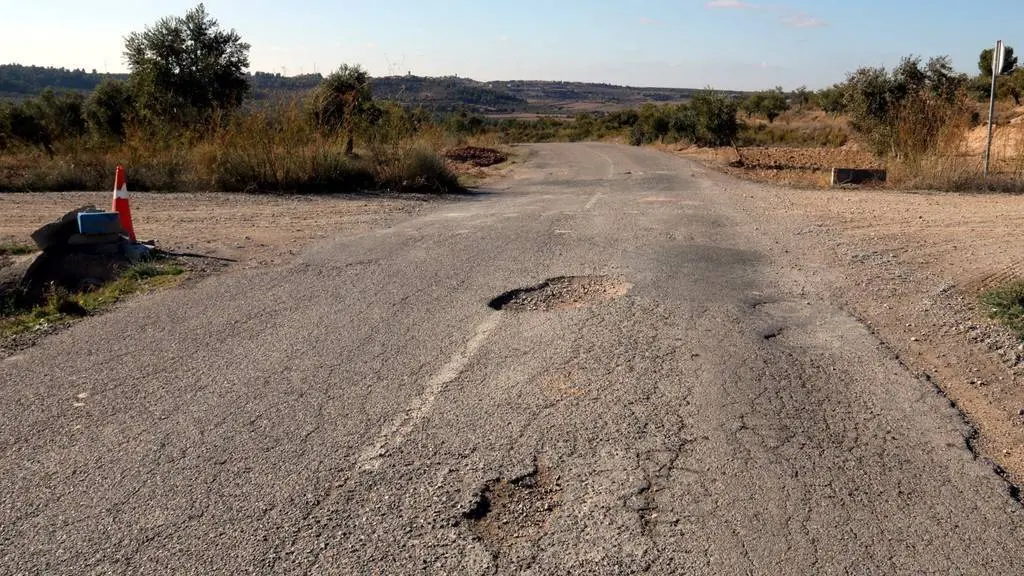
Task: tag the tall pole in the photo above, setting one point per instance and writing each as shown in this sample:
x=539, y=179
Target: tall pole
x=997, y=61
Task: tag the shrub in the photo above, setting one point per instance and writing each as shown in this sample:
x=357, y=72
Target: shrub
x=414, y=168
x=715, y=115
x=340, y=102
x=108, y=110
x=906, y=112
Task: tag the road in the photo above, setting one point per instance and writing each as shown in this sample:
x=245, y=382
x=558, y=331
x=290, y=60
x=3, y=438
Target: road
x=363, y=410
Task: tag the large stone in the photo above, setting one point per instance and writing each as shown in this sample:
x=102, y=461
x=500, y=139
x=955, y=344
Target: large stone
x=57, y=233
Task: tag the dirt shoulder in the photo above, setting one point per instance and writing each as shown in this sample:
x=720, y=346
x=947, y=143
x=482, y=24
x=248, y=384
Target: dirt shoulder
x=788, y=166
x=911, y=267
x=256, y=230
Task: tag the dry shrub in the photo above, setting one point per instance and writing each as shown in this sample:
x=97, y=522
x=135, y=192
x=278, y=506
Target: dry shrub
x=779, y=134
x=935, y=155
x=414, y=167
x=273, y=149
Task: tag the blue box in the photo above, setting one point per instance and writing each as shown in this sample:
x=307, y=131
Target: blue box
x=99, y=223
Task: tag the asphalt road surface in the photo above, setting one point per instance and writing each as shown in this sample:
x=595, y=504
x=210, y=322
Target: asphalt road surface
x=694, y=405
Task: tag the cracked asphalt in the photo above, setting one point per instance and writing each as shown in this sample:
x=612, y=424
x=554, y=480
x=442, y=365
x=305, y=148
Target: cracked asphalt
x=361, y=410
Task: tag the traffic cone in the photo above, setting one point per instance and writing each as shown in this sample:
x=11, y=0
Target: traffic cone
x=121, y=205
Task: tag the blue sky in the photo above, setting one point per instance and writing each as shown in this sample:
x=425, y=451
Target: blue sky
x=728, y=44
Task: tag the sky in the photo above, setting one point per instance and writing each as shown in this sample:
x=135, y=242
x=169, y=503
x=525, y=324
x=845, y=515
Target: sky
x=725, y=44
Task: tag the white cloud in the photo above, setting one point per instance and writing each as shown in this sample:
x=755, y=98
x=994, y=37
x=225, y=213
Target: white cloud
x=733, y=4
x=803, y=21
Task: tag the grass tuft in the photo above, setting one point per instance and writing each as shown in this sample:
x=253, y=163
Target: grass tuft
x=18, y=316
x=1006, y=304
x=16, y=249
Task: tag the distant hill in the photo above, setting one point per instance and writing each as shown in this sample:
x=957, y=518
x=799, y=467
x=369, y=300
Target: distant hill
x=18, y=81
x=441, y=94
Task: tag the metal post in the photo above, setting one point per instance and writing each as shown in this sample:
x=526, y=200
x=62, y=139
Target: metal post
x=991, y=114
x=997, y=62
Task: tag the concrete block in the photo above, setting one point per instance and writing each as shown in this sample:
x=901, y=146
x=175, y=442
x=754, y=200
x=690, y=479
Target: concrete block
x=841, y=176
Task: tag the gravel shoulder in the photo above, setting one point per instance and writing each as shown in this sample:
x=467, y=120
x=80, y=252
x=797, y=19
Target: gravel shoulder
x=911, y=266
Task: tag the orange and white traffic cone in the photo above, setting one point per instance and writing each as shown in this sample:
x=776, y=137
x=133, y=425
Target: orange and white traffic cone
x=121, y=205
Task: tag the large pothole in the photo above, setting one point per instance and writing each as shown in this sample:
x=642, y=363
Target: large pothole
x=562, y=293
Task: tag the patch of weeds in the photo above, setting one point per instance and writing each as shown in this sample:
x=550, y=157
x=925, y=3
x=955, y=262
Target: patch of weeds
x=16, y=249
x=17, y=316
x=1006, y=304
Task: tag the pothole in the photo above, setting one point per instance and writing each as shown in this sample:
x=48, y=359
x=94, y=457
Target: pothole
x=507, y=514
x=562, y=293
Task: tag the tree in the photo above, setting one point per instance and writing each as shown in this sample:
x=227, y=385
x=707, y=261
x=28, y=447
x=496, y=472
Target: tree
x=338, y=103
x=108, y=110
x=752, y=104
x=715, y=115
x=903, y=112
x=832, y=100
x=61, y=113
x=985, y=62
x=803, y=97
x=773, y=104
x=5, y=125
x=26, y=124
x=1014, y=86
x=770, y=104
x=185, y=68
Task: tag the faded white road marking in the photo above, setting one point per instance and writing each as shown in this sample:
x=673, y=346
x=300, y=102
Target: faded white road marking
x=592, y=201
x=395, y=432
x=611, y=163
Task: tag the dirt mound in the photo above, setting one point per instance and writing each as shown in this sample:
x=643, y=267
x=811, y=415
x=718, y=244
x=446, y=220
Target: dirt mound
x=561, y=293
x=476, y=156
x=1007, y=140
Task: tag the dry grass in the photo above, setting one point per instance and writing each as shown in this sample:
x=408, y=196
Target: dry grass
x=270, y=150
x=956, y=161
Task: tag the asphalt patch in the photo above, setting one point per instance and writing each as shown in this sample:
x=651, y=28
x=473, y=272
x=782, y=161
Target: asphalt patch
x=561, y=293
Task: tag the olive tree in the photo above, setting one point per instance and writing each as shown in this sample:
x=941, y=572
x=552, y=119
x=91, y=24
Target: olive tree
x=184, y=68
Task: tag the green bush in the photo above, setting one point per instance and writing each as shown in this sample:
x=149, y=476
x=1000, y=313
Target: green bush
x=108, y=110
x=905, y=112
x=716, y=123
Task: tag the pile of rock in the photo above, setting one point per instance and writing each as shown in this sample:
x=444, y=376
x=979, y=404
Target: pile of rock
x=82, y=250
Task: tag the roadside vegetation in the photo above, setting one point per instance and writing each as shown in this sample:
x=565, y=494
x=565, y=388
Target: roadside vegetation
x=19, y=314
x=182, y=121
x=920, y=120
x=1006, y=304
x=188, y=117
x=16, y=249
